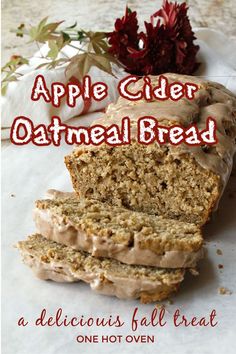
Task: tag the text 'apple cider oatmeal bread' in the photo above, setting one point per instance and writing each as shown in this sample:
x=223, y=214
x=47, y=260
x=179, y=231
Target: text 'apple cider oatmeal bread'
x=51, y=260
x=116, y=232
x=181, y=182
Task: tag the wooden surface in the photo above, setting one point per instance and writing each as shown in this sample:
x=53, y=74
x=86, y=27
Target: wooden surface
x=100, y=15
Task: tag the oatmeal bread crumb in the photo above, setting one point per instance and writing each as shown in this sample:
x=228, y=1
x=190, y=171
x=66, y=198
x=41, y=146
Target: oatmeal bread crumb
x=224, y=291
x=51, y=260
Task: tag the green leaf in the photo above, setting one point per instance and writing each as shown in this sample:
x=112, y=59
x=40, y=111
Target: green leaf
x=80, y=64
x=72, y=26
x=66, y=36
x=80, y=35
x=54, y=50
x=111, y=58
x=9, y=69
x=14, y=63
x=44, y=32
x=97, y=42
x=5, y=82
x=103, y=45
x=42, y=23
x=101, y=62
x=76, y=66
x=97, y=49
x=129, y=10
x=51, y=27
x=3, y=88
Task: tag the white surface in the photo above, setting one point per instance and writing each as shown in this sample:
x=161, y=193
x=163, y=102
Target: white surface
x=27, y=172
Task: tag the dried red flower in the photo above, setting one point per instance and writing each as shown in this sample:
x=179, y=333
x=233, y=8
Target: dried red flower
x=125, y=35
x=167, y=46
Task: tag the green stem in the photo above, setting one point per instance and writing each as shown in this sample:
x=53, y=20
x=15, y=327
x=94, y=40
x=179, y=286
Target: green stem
x=73, y=46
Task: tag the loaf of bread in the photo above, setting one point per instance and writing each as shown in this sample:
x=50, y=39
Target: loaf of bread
x=179, y=182
x=119, y=233
x=51, y=260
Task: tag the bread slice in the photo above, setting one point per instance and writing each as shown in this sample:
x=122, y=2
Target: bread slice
x=181, y=182
x=116, y=232
x=51, y=260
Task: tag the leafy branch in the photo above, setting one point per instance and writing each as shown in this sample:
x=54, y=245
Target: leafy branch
x=93, y=50
x=9, y=71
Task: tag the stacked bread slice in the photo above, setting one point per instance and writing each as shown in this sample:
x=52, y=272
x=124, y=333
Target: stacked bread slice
x=117, y=251
x=133, y=226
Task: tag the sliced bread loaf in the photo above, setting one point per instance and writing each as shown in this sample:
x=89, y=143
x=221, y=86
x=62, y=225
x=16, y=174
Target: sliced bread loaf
x=182, y=182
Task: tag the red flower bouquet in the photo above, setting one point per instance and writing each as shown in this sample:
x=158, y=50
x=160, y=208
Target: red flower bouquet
x=167, y=45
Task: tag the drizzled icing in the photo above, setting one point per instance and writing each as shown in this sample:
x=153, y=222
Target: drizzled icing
x=114, y=285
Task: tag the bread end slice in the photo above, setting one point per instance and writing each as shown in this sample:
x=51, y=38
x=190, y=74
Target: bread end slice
x=51, y=260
